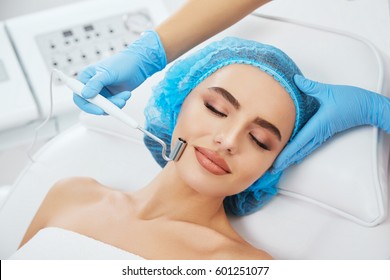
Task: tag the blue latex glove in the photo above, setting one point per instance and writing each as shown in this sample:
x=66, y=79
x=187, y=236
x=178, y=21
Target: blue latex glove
x=341, y=108
x=115, y=77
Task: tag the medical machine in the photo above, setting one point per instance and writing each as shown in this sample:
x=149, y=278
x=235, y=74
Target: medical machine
x=17, y=106
x=71, y=37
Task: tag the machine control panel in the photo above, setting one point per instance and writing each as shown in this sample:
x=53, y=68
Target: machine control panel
x=71, y=49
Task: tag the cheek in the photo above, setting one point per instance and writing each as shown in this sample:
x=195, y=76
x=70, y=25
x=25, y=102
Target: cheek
x=249, y=169
x=190, y=121
x=185, y=128
x=253, y=170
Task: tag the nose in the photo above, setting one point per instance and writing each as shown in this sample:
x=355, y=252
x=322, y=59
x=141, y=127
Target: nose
x=228, y=139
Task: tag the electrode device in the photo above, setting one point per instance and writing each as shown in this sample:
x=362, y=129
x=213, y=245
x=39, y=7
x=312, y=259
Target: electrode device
x=112, y=110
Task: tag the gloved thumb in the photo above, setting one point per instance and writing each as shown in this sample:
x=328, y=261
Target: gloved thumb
x=309, y=87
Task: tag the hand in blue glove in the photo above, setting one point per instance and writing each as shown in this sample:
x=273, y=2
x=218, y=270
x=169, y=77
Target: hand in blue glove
x=341, y=107
x=116, y=76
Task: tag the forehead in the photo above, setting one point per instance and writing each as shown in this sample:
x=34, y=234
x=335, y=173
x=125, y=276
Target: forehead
x=245, y=77
x=248, y=83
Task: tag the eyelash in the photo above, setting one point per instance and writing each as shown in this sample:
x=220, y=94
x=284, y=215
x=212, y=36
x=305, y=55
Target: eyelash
x=258, y=143
x=215, y=111
x=220, y=114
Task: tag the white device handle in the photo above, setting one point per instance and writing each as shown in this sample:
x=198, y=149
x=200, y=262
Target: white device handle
x=107, y=106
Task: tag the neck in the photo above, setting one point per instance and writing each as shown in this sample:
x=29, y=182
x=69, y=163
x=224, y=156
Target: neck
x=168, y=197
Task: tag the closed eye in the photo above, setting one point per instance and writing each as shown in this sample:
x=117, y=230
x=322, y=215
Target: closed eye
x=260, y=144
x=215, y=111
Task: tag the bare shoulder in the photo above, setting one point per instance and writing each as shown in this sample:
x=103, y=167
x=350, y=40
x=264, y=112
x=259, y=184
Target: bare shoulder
x=64, y=195
x=76, y=190
x=243, y=251
x=251, y=253
x=79, y=192
x=227, y=245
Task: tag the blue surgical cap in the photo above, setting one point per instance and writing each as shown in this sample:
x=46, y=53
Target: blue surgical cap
x=168, y=96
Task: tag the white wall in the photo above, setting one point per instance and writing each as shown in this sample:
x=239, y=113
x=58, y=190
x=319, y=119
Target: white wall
x=13, y=8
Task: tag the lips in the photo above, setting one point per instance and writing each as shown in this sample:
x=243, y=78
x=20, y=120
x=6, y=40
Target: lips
x=212, y=161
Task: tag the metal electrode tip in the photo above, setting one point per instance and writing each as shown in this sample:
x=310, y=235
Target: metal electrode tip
x=178, y=149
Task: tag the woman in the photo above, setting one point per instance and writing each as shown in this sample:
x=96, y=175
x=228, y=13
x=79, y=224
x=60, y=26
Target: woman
x=236, y=105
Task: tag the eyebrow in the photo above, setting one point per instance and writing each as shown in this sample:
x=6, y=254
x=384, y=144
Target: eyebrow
x=267, y=125
x=234, y=102
x=227, y=95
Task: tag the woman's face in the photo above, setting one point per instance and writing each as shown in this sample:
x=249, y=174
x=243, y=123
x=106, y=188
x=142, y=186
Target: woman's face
x=235, y=122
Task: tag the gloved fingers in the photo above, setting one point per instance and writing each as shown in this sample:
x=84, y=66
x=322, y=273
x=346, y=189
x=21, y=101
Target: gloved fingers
x=285, y=157
x=96, y=84
x=106, y=92
x=292, y=156
x=118, y=101
x=309, y=87
x=303, y=141
x=87, y=106
x=124, y=95
x=86, y=74
x=297, y=157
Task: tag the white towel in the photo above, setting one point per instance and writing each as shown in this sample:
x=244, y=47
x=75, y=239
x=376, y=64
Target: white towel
x=60, y=244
